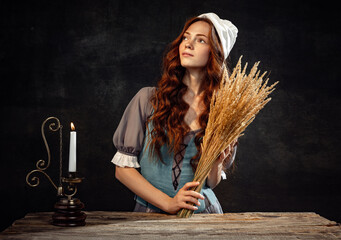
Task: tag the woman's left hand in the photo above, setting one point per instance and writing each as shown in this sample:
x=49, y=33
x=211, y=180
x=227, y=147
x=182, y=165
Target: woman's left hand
x=227, y=153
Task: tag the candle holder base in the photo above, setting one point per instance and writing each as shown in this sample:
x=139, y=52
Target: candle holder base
x=68, y=213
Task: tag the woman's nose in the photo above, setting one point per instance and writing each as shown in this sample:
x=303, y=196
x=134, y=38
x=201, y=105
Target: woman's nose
x=189, y=45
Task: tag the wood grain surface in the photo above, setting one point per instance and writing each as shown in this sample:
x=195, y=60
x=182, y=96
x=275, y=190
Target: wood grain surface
x=130, y=225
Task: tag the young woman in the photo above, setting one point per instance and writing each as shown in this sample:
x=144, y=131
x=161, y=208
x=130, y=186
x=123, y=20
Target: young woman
x=162, y=128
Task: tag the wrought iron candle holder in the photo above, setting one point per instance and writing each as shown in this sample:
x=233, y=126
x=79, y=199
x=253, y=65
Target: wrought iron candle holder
x=67, y=208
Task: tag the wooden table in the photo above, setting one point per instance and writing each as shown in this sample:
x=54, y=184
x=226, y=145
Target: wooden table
x=130, y=225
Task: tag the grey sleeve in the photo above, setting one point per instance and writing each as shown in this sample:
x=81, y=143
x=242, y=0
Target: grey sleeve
x=129, y=135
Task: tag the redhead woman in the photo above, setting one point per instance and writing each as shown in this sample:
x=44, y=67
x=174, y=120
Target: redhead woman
x=158, y=138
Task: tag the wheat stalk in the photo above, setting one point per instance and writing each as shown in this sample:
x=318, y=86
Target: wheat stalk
x=233, y=107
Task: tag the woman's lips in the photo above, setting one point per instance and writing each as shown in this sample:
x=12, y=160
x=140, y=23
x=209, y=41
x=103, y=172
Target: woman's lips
x=187, y=54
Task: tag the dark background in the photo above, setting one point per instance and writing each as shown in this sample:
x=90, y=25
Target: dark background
x=83, y=61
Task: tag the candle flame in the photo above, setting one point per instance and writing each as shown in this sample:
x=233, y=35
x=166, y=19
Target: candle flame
x=72, y=127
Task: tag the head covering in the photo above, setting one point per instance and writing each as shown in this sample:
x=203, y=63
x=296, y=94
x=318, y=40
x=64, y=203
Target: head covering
x=227, y=32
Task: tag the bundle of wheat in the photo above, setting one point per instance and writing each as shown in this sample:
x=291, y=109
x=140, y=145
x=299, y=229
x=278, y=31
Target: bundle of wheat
x=233, y=107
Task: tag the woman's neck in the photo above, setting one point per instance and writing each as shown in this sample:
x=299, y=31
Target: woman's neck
x=192, y=97
x=193, y=80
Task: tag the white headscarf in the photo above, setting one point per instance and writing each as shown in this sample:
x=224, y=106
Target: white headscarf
x=227, y=32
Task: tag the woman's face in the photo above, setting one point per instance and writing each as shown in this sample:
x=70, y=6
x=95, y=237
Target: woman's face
x=194, y=49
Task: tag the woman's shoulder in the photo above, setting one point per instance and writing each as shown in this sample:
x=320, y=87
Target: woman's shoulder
x=145, y=92
x=142, y=100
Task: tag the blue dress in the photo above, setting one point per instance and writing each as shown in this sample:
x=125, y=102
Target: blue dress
x=131, y=140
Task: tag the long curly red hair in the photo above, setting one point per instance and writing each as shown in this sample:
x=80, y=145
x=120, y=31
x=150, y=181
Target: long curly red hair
x=169, y=107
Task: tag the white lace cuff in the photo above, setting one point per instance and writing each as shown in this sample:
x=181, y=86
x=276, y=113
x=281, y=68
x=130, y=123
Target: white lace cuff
x=124, y=160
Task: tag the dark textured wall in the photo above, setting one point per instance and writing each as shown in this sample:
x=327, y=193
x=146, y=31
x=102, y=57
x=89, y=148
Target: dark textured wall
x=83, y=61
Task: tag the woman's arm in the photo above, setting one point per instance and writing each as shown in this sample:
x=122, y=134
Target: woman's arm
x=214, y=177
x=132, y=179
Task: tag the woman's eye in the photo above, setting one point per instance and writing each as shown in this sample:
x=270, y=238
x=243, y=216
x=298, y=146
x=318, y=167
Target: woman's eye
x=202, y=41
x=184, y=38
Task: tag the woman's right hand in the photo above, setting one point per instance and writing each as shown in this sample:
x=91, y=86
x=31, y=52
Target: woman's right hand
x=183, y=199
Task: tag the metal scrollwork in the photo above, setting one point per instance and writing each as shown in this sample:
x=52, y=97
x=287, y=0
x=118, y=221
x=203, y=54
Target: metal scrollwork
x=36, y=179
x=41, y=164
x=72, y=189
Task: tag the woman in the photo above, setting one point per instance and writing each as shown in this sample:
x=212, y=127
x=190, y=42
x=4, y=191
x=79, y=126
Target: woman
x=162, y=128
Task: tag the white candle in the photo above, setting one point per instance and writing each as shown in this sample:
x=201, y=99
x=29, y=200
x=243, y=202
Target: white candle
x=72, y=153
